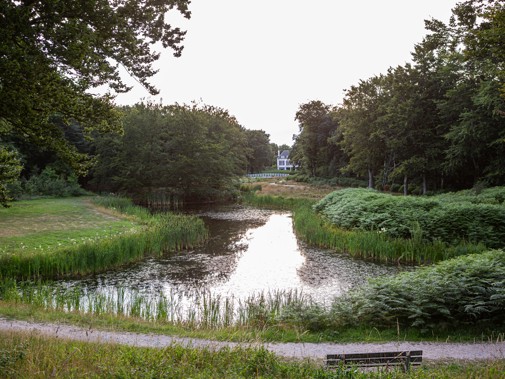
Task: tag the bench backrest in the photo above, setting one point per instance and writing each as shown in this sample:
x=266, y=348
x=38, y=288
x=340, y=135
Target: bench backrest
x=392, y=358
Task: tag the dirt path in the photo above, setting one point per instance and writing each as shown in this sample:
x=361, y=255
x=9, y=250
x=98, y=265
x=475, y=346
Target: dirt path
x=431, y=350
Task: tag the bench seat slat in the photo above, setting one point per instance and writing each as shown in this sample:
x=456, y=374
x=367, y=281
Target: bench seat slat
x=376, y=355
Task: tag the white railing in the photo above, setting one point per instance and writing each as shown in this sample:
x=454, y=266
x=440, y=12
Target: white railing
x=268, y=175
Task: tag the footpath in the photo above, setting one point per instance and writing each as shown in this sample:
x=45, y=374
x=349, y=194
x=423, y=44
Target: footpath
x=431, y=350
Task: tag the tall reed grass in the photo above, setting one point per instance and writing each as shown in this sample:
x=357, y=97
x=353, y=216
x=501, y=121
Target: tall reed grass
x=152, y=236
x=375, y=245
x=199, y=310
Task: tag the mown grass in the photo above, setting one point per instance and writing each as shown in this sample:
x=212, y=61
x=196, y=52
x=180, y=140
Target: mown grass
x=140, y=235
x=33, y=356
x=43, y=224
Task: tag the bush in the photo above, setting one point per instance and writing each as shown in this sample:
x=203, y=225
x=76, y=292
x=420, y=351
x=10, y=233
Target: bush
x=50, y=183
x=450, y=219
x=461, y=291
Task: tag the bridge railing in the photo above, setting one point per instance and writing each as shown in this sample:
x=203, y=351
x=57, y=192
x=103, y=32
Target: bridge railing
x=267, y=175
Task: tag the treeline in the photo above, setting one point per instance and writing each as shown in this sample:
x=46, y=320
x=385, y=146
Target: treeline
x=435, y=123
x=176, y=152
x=163, y=155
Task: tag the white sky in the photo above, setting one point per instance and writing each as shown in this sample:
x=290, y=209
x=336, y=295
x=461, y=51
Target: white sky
x=261, y=59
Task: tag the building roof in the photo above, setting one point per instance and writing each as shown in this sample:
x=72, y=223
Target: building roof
x=284, y=154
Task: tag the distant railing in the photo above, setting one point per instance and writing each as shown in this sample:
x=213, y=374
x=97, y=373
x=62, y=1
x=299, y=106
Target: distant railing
x=267, y=175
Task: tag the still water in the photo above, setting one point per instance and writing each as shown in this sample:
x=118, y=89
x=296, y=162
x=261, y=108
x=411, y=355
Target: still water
x=249, y=251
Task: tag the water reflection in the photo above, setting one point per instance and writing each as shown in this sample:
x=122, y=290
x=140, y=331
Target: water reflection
x=249, y=251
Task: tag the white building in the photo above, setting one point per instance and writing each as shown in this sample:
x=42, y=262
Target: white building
x=283, y=162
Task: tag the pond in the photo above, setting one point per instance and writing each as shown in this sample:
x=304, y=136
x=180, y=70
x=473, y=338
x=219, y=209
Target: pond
x=250, y=251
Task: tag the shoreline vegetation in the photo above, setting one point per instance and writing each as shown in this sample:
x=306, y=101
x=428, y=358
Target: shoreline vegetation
x=466, y=223
x=139, y=234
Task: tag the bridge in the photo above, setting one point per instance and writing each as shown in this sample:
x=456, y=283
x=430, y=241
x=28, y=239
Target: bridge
x=268, y=175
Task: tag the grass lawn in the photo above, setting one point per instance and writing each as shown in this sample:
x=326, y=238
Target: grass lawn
x=43, y=224
x=291, y=189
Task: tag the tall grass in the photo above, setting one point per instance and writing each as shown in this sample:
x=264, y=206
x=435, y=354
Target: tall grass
x=153, y=235
x=35, y=356
x=199, y=310
x=314, y=229
x=26, y=355
x=375, y=245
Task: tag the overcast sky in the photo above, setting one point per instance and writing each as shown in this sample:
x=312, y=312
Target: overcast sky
x=261, y=59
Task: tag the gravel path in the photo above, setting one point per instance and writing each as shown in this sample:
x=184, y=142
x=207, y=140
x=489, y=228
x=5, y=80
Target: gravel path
x=431, y=350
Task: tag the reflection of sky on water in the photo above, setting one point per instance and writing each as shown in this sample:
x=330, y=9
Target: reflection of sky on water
x=249, y=251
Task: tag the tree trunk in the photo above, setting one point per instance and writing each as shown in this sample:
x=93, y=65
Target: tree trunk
x=425, y=185
x=370, y=179
x=405, y=186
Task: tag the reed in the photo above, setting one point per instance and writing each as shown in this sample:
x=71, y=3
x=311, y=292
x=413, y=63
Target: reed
x=152, y=235
x=315, y=229
x=200, y=310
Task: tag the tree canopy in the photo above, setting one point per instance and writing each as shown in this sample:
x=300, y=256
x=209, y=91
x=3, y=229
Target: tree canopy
x=188, y=152
x=438, y=122
x=52, y=53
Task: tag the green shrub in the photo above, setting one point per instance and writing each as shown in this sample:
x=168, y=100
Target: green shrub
x=50, y=183
x=461, y=291
x=449, y=219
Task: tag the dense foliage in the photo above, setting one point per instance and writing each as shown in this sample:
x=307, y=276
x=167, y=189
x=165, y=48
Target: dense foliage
x=10, y=167
x=184, y=152
x=53, y=53
x=435, y=123
x=450, y=219
x=461, y=291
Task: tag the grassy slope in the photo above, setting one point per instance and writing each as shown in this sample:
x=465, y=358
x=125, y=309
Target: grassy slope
x=43, y=224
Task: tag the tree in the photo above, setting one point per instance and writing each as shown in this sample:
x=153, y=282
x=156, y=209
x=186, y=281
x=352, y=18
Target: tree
x=52, y=53
x=313, y=147
x=259, y=151
x=10, y=167
x=360, y=115
x=473, y=109
x=191, y=152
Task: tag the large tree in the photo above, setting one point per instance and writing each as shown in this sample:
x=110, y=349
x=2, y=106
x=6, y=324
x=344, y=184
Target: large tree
x=53, y=52
x=361, y=122
x=473, y=109
x=258, y=151
x=318, y=155
x=188, y=152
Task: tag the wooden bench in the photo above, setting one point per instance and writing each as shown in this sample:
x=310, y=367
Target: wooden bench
x=403, y=359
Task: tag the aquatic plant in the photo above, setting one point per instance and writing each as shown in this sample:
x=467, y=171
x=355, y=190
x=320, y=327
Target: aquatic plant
x=200, y=309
